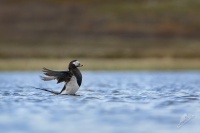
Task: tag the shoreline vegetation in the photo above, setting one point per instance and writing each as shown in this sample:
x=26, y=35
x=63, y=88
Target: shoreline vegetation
x=101, y=64
x=102, y=34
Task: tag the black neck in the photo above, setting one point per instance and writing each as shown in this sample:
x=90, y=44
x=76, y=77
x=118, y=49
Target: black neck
x=77, y=74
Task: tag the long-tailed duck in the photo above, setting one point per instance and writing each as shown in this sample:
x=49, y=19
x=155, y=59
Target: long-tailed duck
x=72, y=78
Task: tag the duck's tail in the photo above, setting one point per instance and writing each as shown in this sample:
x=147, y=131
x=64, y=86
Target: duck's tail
x=54, y=92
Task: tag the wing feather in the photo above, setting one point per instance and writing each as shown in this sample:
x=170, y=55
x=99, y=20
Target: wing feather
x=60, y=76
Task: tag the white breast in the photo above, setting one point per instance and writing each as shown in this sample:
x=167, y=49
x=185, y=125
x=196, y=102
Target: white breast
x=71, y=87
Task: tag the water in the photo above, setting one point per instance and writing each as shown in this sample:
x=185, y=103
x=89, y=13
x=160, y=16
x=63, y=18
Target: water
x=109, y=102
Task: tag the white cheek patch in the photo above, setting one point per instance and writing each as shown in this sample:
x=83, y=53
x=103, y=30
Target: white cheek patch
x=76, y=63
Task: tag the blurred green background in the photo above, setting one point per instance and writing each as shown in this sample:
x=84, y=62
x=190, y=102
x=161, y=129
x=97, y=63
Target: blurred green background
x=102, y=34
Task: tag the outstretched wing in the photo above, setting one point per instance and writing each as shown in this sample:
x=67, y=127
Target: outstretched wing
x=60, y=76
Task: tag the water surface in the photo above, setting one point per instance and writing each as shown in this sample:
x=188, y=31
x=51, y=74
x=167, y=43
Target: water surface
x=109, y=102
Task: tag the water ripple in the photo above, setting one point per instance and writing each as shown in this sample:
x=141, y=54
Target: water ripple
x=124, y=101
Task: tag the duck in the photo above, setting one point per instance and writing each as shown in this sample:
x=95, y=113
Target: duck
x=72, y=78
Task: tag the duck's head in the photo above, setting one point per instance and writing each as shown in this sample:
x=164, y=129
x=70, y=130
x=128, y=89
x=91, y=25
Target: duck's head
x=74, y=64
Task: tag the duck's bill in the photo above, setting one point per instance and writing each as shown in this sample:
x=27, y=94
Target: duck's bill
x=80, y=65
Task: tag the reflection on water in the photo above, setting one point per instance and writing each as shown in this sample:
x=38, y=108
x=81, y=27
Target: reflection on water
x=110, y=101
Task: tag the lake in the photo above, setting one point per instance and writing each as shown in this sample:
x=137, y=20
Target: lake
x=109, y=102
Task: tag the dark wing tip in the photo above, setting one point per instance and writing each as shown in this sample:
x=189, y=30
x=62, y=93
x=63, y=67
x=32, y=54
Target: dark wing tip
x=44, y=69
x=47, y=78
x=43, y=78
